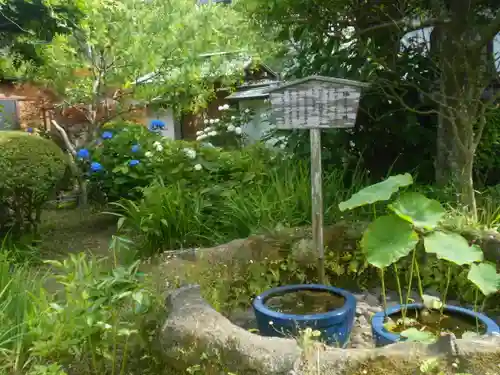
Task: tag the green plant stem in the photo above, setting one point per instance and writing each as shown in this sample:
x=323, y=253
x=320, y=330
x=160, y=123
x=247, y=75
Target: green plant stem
x=400, y=293
x=124, y=359
x=445, y=293
x=94, y=359
x=384, y=296
x=410, y=280
x=476, y=297
x=419, y=281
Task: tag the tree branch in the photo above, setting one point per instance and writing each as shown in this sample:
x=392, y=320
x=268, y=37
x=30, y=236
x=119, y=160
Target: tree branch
x=405, y=25
x=489, y=31
x=65, y=138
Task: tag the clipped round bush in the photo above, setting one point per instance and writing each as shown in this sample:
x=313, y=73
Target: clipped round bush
x=30, y=169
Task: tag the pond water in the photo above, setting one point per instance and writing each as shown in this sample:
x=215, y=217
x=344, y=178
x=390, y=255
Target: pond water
x=432, y=321
x=304, y=302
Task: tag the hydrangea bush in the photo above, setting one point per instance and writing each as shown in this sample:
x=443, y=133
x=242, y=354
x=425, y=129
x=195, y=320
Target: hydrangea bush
x=128, y=157
x=226, y=130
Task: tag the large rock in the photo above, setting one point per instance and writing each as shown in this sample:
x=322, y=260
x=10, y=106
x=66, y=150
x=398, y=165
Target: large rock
x=194, y=330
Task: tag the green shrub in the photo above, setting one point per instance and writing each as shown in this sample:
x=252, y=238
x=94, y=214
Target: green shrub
x=129, y=157
x=30, y=169
x=244, y=194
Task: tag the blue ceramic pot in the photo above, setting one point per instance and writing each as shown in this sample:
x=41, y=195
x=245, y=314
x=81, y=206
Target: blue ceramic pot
x=335, y=326
x=383, y=337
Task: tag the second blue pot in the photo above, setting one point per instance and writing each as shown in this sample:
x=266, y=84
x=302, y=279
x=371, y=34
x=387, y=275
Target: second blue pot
x=335, y=326
x=383, y=337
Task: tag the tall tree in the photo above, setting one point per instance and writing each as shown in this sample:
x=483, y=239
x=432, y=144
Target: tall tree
x=363, y=40
x=25, y=24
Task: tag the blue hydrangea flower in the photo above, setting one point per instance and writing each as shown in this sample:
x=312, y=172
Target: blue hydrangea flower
x=29, y=130
x=83, y=153
x=156, y=125
x=135, y=148
x=107, y=135
x=96, y=167
x=133, y=162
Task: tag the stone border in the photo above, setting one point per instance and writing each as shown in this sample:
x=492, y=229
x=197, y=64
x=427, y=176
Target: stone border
x=193, y=328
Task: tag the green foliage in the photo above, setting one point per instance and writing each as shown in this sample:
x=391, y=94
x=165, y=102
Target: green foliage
x=381, y=191
x=20, y=287
x=30, y=169
x=388, y=239
x=118, y=42
x=241, y=192
x=134, y=157
x=417, y=209
x=485, y=277
x=95, y=322
x=453, y=248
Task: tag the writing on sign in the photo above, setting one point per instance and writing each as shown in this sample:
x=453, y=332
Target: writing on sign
x=315, y=104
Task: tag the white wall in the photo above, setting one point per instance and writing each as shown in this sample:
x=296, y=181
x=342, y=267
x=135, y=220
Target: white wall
x=259, y=124
x=172, y=129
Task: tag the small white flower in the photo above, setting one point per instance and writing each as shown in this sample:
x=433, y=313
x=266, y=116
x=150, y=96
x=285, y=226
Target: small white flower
x=282, y=146
x=247, y=110
x=225, y=106
x=212, y=133
x=190, y=153
x=206, y=121
x=207, y=129
x=216, y=120
x=159, y=148
x=271, y=322
x=201, y=137
x=211, y=121
x=198, y=167
x=148, y=154
x=221, y=108
x=230, y=128
x=237, y=130
x=233, y=117
x=199, y=132
x=156, y=144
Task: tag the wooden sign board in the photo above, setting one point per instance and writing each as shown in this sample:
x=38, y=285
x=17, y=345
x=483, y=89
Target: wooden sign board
x=316, y=103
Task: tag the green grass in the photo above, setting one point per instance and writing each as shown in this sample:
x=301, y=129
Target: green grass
x=20, y=288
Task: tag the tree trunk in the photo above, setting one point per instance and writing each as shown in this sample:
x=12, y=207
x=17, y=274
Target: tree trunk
x=80, y=178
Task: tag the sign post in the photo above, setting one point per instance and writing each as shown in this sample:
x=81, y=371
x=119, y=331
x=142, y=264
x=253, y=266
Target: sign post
x=316, y=103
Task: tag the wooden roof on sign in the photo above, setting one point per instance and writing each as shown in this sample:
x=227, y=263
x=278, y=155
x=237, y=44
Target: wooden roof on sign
x=338, y=81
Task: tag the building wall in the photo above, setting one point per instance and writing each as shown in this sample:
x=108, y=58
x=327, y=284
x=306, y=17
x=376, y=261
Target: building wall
x=259, y=125
x=30, y=101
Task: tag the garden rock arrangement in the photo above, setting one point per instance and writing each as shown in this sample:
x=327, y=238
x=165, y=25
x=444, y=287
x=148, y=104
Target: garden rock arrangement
x=193, y=329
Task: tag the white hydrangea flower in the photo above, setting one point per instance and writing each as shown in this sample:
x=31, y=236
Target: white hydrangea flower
x=216, y=121
x=156, y=144
x=201, y=137
x=211, y=121
x=221, y=108
x=148, y=154
x=207, y=129
x=206, y=121
x=159, y=148
x=231, y=128
x=199, y=132
x=198, y=167
x=212, y=133
x=190, y=153
x=237, y=130
x=225, y=106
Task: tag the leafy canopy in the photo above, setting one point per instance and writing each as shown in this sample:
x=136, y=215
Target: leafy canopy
x=120, y=41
